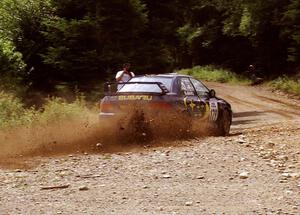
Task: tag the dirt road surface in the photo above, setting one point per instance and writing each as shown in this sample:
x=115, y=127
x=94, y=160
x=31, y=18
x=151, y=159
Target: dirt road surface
x=256, y=170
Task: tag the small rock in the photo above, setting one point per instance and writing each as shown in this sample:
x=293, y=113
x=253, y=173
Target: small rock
x=244, y=175
x=99, y=145
x=280, y=198
x=289, y=192
x=188, y=203
x=295, y=175
x=286, y=175
x=283, y=157
x=291, y=175
x=291, y=167
x=83, y=188
x=273, y=163
x=166, y=176
x=241, y=141
x=270, y=144
x=200, y=177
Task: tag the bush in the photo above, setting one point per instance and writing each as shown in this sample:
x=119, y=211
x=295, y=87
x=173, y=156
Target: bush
x=13, y=113
x=211, y=73
x=287, y=84
x=57, y=109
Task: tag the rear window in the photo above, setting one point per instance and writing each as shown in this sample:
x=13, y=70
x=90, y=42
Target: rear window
x=144, y=88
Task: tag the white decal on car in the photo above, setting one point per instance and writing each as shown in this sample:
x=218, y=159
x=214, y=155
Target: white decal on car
x=214, y=112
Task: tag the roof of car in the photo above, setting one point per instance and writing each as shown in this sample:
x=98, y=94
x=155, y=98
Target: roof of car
x=166, y=75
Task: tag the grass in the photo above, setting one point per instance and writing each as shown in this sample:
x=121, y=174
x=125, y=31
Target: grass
x=13, y=113
x=214, y=74
x=287, y=84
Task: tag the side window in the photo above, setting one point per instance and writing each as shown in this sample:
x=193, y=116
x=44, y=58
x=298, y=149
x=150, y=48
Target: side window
x=186, y=87
x=200, y=88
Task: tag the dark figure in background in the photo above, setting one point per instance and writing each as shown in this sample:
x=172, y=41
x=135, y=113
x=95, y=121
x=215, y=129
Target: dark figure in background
x=253, y=75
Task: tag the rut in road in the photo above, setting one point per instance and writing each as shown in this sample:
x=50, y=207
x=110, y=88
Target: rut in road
x=257, y=106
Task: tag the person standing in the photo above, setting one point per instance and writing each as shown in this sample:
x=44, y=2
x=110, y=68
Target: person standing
x=124, y=75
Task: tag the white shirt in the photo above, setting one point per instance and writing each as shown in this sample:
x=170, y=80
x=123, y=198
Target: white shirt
x=125, y=77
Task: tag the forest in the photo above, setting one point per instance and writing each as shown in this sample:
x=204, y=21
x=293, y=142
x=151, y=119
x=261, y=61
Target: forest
x=46, y=42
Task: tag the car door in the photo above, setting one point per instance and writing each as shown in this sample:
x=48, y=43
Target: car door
x=189, y=96
x=211, y=104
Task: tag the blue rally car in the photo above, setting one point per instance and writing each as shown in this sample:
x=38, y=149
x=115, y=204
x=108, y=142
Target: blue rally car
x=175, y=98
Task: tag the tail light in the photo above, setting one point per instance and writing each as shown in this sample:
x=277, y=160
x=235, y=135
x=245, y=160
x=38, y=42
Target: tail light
x=106, y=107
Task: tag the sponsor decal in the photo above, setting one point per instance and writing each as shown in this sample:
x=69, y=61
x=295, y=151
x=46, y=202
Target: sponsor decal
x=135, y=97
x=214, y=112
x=188, y=104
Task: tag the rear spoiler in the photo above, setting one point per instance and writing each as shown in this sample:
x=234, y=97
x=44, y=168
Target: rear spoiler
x=108, y=86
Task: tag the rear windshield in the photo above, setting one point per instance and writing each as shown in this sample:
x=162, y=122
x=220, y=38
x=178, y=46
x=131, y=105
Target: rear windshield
x=146, y=88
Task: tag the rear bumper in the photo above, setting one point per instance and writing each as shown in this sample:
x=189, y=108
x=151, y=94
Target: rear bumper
x=103, y=115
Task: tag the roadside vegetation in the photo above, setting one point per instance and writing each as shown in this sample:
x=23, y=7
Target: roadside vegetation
x=13, y=112
x=211, y=73
x=214, y=74
x=287, y=84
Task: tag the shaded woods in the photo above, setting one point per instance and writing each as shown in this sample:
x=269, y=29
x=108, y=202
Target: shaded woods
x=45, y=42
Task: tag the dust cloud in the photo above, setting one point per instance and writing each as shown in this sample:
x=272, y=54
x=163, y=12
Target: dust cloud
x=130, y=131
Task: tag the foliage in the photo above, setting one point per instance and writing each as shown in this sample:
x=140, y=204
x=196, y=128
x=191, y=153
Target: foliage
x=211, y=73
x=94, y=41
x=291, y=31
x=57, y=109
x=12, y=67
x=45, y=42
x=20, y=26
x=13, y=113
x=287, y=84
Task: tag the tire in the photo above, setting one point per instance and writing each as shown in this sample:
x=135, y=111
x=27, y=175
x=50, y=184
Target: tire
x=223, y=124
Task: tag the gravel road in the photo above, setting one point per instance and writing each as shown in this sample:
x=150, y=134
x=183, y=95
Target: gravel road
x=256, y=170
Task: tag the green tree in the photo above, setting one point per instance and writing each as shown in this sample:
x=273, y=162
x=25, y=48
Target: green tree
x=95, y=42
x=290, y=23
x=21, y=24
x=12, y=67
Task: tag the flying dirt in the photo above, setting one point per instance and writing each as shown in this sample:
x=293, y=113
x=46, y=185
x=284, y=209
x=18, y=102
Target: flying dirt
x=254, y=170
